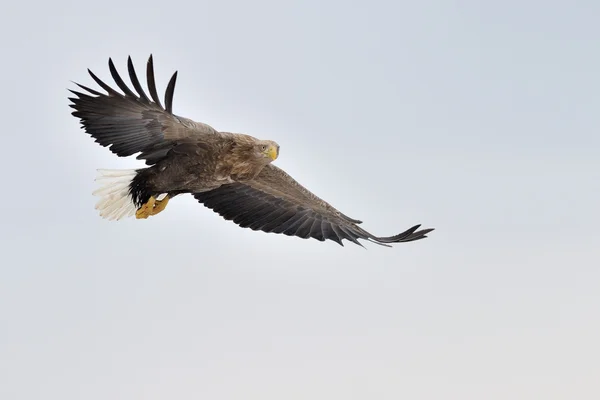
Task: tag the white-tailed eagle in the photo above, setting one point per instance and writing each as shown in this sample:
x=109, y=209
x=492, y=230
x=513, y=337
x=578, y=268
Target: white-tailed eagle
x=229, y=173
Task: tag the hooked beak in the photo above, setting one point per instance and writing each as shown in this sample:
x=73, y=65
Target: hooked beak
x=273, y=152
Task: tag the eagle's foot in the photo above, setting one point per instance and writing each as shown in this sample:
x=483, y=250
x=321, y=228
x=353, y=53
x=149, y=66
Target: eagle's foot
x=160, y=205
x=147, y=209
x=152, y=207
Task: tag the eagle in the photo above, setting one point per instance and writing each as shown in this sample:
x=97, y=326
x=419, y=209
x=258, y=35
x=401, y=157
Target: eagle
x=230, y=173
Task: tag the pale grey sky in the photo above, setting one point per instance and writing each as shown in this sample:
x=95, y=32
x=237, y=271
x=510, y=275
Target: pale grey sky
x=477, y=118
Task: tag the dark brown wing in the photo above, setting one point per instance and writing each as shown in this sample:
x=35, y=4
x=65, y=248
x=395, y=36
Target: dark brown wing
x=275, y=202
x=131, y=123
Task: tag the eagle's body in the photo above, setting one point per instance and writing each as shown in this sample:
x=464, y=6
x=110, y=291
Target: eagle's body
x=227, y=172
x=199, y=167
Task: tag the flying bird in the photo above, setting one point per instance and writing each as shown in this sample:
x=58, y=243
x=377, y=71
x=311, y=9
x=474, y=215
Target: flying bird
x=230, y=173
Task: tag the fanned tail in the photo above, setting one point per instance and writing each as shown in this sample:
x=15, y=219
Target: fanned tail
x=114, y=192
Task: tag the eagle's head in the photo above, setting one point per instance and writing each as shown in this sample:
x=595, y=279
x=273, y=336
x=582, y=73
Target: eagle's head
x=248, y=156
x=265, y=151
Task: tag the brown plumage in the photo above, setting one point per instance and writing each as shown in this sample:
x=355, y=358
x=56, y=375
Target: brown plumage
x=229, y=173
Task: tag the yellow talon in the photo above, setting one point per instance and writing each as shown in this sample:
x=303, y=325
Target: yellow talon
x=160, y=205
x=146, y=210
x=152, y=207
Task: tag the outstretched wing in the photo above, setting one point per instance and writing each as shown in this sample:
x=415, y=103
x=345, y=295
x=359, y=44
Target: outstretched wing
x=275, y=202
x=130, y=123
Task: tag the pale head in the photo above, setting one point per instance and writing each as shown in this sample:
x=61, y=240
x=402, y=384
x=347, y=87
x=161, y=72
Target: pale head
x=266, y=150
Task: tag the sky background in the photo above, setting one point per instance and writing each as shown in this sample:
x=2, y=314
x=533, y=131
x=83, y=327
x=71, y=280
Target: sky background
x=480, y=119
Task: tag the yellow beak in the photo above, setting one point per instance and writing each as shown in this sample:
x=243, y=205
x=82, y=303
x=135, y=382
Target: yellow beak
x=272, y=152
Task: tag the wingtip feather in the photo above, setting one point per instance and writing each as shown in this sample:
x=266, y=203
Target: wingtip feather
x=152, y=82
x=169, y=93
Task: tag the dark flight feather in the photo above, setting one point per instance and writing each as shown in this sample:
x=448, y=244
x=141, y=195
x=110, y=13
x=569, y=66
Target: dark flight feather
x=169, y=93
x=151, y=82
x=136, y=82
x=118, y=80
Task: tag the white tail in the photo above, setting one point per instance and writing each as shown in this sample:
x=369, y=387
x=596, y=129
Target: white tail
x=115, y=200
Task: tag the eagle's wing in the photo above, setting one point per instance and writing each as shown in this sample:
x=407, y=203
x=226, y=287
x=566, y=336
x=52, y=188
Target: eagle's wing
x=275, y=202
x=130, y=123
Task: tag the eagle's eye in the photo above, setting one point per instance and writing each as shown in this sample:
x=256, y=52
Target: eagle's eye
x=263, y=147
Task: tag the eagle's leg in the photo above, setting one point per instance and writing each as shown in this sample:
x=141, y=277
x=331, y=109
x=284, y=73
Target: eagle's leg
x=147, y=209
x=160, y=205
